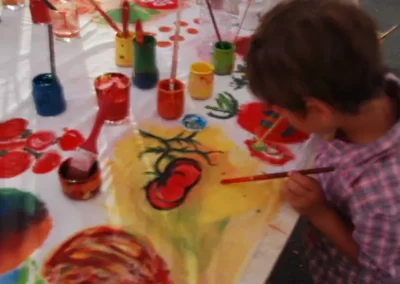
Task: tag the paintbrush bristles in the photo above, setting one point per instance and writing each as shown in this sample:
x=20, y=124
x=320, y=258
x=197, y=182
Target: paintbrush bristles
x=174, y=65
x=213, y=19
x=51, y=50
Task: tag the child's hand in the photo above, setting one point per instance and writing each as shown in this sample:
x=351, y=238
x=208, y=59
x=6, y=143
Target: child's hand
x=305, y=195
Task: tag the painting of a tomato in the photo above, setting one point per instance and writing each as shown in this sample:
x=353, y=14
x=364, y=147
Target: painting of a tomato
x=257, y=118
x=271, y=133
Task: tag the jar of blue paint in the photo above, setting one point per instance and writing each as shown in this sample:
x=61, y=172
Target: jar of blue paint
x=145, y=71
x=48, y=95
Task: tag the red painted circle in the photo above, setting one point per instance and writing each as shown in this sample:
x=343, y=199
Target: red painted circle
x=157, y=4
x=70, y=140
x=180, y=38
x=196, y=21
x=192, y=31
x=12, y=128
x=47, y=162
x=165, y=29
x=182, y=23
x=14, y=163
x=164, y=43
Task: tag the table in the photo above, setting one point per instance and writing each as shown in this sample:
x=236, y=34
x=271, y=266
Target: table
x=234, y=234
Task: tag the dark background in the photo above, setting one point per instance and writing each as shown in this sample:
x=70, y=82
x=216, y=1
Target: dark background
x=291, y=267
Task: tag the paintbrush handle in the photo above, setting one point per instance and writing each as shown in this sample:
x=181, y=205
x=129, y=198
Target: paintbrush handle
x=174, y=65
x=105, y=16
x=213, y=19
x=125, y=13
x=139, y=31
x=244, y=17
x=51, y=49
x=276, y=175
x=90, y=143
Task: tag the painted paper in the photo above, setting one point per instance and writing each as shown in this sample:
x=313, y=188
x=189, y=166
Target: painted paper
x=165, y=186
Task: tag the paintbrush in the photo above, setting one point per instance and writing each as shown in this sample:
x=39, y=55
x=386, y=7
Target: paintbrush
x=174, y=65
x=213, y=19
x=84, y=157
x=125, y=13
x=275, y=175
x=388, y=32
x=106, y=17
x=244, y=17
x=139, y=35
x=51, y=50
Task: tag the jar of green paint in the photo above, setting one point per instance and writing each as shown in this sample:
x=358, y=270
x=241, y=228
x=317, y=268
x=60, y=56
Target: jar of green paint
x=145, y=71
x=223, y=57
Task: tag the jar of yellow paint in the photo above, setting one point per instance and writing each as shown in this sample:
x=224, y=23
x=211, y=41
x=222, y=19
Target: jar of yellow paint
x=124, y=50
x=201, y=80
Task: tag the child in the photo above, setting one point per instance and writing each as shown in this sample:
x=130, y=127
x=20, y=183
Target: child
x=320, y=64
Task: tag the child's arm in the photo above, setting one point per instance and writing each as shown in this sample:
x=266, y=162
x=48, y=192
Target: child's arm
x=306, y=197
x=374, y=243
x=330, y=224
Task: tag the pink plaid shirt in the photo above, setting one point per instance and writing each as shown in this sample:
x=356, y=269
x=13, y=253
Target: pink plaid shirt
x=365, y=191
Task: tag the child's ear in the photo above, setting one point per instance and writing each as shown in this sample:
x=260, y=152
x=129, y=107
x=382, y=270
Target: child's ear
x=319, y=110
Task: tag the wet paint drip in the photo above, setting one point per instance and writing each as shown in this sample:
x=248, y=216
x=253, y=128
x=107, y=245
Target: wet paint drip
x=180, y=38
x=165, y=29
x=192, y=31
x=106, y=255
x=22, y=217
x=164, y=43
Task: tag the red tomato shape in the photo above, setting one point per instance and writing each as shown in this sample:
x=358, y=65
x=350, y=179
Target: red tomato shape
x=70, y=140
x=13, y=145
x=12, y=128
x=170, y=189
x=47, y=162
x=40, y=140
x=252, y=116
x=155, y=201
x=14, y=163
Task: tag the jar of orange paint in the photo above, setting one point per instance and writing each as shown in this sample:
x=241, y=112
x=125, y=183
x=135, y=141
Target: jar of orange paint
x=170, y=101
x=201, y=80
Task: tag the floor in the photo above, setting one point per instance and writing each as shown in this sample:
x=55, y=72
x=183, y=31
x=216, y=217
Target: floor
x=291, y=267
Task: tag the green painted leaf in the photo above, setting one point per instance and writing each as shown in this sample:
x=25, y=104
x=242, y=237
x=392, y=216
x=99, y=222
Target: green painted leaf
x=39, y=281
x=23, y=274
x=225, y=101
x=153, y=150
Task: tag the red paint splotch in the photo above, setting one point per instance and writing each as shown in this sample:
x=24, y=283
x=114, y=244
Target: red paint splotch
x=20, y=146
x=47, y=162
x=106, y=255
x=70, y=140
x=273, y=154
x=182, y=23
x=165, y=29
x=257, y=118
x=196, y=21
x=14, y=163
x=40, y=140
x=170, y=190
x=164, y=43
x=192, y=31
x=12, y=128
x=180, y=38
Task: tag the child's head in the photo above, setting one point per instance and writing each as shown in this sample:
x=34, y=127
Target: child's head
x=315, y=60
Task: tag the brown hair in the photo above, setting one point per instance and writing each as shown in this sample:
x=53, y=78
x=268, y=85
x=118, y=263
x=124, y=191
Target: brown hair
x=325, y=49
